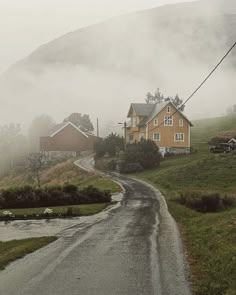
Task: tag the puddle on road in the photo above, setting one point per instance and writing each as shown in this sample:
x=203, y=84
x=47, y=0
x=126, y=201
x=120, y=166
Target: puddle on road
x=23, y=229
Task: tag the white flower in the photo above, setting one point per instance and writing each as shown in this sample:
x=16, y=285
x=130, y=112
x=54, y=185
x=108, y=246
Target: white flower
x=48, y=211
x=7, y=213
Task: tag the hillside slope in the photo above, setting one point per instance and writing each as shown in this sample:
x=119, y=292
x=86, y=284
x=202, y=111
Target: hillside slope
x=205, y=129
x=106, y=66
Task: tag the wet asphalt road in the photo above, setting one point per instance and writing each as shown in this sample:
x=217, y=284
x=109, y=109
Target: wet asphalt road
x=134, y=250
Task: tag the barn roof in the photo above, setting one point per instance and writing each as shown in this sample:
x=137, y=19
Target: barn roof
x=59, y=127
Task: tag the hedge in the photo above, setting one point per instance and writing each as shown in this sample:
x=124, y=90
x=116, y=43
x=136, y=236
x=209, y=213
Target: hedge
x=30, y=197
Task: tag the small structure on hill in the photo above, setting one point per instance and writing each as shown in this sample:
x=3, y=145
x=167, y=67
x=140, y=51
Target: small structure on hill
x=226, y=138
x=66, y=140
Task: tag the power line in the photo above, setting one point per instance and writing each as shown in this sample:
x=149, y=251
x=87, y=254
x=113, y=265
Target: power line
x=197, y=89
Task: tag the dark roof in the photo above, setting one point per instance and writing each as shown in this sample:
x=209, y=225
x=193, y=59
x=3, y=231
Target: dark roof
x=141, y=109
x=228, y=134
x=156, y=108
x=149, y=111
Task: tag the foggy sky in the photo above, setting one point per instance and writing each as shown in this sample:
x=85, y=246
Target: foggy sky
x=58, y=89
x=27, y=24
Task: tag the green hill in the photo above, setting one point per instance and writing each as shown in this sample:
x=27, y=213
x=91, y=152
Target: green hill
x=204, y=129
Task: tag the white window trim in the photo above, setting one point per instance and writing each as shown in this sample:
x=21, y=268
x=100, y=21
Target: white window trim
x=165, y=120
x=182, y=122
x=179, y=140
x=168, y=109
x=153, y=136
x=155, y=122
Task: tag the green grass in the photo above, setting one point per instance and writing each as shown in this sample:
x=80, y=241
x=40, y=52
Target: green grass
x=201, y=171
x=59, y=174
x=203, y=130
x=81, y=210
x=210, y=239
x=12, y=250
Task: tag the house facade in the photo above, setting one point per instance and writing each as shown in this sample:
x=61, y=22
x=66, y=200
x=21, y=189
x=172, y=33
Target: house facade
x=163, y=123
x=65, y=140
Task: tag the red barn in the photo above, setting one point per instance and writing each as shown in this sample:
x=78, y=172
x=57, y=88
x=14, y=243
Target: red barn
x=66, y=139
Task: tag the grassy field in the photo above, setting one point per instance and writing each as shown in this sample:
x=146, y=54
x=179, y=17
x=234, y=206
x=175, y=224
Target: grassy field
x=210, y=239
x=12, y=250
x=58, y=174
x=203, y=130
x=81, y=210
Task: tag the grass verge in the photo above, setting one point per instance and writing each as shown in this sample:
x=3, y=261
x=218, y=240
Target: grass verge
x=80, y=210
x=210, y=238
x=59, y=174
x=12, y=250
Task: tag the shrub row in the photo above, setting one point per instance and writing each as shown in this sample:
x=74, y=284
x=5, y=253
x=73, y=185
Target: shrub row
x=30, y=197
x=206, y=202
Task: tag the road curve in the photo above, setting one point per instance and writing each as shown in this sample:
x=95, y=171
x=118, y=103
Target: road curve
x=135, y=250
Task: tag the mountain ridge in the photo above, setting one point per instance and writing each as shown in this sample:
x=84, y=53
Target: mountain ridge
x=169, y=47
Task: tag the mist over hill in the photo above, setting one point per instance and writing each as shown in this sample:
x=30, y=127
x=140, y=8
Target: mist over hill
x=101, y=69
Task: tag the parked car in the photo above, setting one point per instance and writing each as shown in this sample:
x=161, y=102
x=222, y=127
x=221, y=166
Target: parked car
x=220, y=148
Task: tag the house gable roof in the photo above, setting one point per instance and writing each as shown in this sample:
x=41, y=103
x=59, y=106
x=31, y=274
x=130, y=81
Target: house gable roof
x=150, y=111
x=233, y=140
x=59, y=127
x=140, y=109
x=159, y=107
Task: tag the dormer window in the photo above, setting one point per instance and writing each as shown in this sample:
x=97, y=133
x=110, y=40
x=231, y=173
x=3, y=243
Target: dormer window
x=169, y=109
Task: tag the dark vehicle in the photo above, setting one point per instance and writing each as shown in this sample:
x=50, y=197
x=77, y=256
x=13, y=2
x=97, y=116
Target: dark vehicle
x=220, y=148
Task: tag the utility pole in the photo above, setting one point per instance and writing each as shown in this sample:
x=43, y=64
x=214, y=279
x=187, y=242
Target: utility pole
x=125, y=127
x=125, y=131
x=97, y=128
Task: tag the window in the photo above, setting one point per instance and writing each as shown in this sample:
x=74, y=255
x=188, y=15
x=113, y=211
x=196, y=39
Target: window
x=181, y=122
x=168, y=109
x=131, y=137
x=155, y=122
x=179, y=136
x=156, y=136
x=141, y=136
x=135, y=121
x=168, y=121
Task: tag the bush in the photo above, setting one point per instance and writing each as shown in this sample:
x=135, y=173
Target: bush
x=206, y=202
x=145, y=153
x=29, y=197
x=111, y=145
x=70, y=188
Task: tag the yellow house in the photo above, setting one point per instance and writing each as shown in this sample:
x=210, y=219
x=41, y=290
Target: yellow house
x=163, y=123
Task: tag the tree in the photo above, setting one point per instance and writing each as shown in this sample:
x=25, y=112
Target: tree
x=158, y=97
x=39, y=127
x=35, y=165
x=81, y=121
x=178, y=103
x=111, y=145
